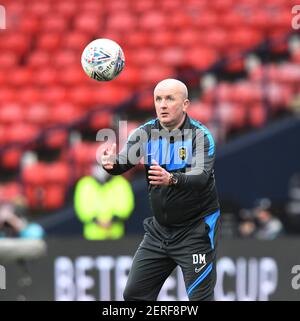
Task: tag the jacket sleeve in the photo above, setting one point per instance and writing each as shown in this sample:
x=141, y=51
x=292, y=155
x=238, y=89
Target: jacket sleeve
x=131, y=153
x=196, y=177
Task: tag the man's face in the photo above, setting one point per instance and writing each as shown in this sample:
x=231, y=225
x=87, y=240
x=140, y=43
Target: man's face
x=170, y=104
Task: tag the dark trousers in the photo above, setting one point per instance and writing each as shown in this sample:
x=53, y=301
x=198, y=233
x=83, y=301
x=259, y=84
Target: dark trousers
x=193, y=248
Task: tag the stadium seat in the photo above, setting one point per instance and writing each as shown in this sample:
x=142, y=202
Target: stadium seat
x=152, y=20
x=40, y=9
x=163, y=39
x=10, y=158
x=101, y=120
x=201, y=112
x=257, y=115
x=21, y=133
x=63, y=113
x=187, y=38
x=173, y=57
x=53, y=94
x=88, y=23
x=37, y=114
x=56, y=138
x=150, y=75
x=45, y=76
x=66, y=58
x=178, y=21
x=11, y=113
x=76, y=41
x=54, y=23
x=49, y=41
x=66, y=8
x=72, y=76
x=33, y=178
x=137, y=39
x=8, y=59
x=29, y=24
x=7, y=95
x=200, y=58
x=38, y=59
x=123, y=22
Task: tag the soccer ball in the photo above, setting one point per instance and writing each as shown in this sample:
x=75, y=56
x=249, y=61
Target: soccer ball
x=102, y=59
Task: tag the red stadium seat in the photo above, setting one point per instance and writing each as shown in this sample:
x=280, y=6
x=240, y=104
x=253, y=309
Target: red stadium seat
x=11, y=158
x=53, y=95
x=217, y=39
x=11, y=113
x=54, y=23
x=121, y=22
x=173, y=57
x=66, y=8
x=101, y=120
x=33, y=178
x=29, y=24
x=187, y=38
x=119, y=5
x=152, y=75
x=17, y=43
x=205, y=20
x=88, y=23
x=8, y=60
x=56, y=138
x=200, y=58
x=39, y=59
x=137, y=39
x=201, y=112
x=178, y=21
x=3, y=137
x=143, y=6
x=21, y=133
x=55, y=195
x=37, y=114
x=63, y=113
x=58, y=172
x=10, y=191
x=83, y=96
x=20, y=77
x=49, y=41
x=40, y=9
x=130, y=77
x=83, y=155
x=164, y=38
x=257, y=115
x=7, y=95
x=76, y=40
x=46, y=76
x=28, y=95
x=66, y=58
x=153, y=20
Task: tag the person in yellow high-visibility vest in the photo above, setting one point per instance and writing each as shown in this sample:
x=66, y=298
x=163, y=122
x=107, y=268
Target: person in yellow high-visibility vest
x=102, y=203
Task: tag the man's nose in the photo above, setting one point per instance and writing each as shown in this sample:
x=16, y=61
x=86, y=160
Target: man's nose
x=163, y=104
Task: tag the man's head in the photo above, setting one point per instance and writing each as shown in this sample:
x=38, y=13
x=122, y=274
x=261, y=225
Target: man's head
x=171, y=102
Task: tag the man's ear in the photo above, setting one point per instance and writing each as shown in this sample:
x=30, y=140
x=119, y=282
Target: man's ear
x=186, y=104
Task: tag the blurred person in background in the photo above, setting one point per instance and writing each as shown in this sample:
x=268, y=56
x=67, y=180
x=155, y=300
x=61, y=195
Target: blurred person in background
x=269, y=227
x=98, y=209
x=13, y=222
x=260, y=223
x=247, y=226
x=179, y=155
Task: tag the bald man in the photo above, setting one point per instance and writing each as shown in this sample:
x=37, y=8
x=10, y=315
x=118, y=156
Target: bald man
x=178, y=154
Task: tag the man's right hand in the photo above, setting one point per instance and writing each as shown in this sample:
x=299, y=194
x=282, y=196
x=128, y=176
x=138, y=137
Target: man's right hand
x=108, y=157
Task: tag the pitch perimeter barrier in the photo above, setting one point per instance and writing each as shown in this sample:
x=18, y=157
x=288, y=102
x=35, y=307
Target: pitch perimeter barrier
x=74, y=269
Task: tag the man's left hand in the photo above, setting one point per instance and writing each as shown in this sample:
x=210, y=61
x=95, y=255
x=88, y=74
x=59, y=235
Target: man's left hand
x=158, y=175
